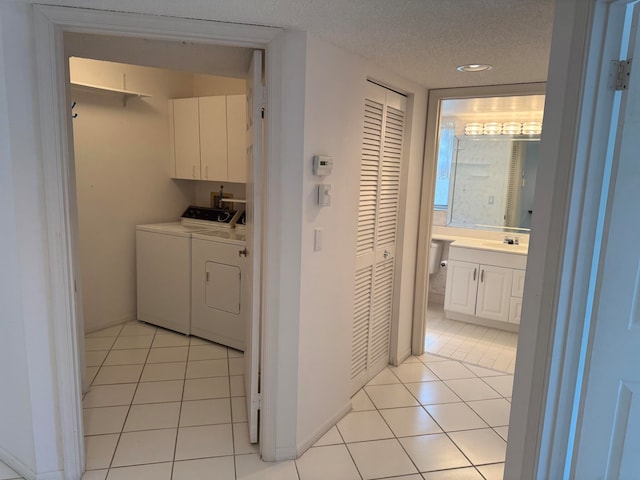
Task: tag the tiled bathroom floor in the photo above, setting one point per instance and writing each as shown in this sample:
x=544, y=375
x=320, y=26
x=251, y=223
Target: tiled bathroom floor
x=473, y=344
x=168, y=407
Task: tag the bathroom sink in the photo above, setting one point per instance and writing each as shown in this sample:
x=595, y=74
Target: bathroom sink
x=492, y=245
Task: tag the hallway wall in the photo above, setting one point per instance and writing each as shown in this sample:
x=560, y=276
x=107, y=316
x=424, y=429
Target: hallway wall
x=122, y=177
x=335, y=89
x=29, y=416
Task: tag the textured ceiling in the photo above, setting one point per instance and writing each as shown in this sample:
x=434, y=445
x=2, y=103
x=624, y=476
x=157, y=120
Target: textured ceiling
x=423, y=40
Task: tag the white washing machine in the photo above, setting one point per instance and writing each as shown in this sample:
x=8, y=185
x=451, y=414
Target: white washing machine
x=163, y=264
x=219, y=286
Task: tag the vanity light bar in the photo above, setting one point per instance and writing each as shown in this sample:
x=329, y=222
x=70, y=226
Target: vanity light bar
x=532, y=128
x=473, y=129
x=492, y=128
x=507, y=128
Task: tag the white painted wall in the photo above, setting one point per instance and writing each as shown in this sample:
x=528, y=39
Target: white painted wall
x=28, y=416
x=282, y=243
x=297, y=355
x=333, y=124
x=185, y=56
x=122, y=177
x=205, y=85
x=15, y=418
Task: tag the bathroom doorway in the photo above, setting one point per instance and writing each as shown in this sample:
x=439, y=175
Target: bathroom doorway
x=484, y=159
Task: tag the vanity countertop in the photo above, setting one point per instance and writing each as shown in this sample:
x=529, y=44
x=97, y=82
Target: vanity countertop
x=484, y=244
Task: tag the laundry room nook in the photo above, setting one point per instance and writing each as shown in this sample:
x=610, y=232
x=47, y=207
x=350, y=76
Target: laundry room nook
x=160, y=171
x=136, y=131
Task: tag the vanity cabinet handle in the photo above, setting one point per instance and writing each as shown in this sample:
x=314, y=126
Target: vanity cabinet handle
x=482, y=275
x=475, y=272
x=243, y=252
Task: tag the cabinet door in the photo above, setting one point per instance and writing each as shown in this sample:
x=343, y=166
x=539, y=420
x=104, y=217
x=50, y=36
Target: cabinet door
x=237, y=138
x=186, y=138
x=213, y=138
x=462, y=284
x=518, y=283
x=515, y=310
x=222, y=287
x=494, y=293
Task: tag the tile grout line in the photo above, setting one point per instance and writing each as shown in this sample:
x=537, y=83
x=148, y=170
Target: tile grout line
x=132, y=398
x=233, y=435
x=346, y=445
x=184, y=384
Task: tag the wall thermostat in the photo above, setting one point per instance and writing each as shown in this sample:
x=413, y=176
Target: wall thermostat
x=322, y=165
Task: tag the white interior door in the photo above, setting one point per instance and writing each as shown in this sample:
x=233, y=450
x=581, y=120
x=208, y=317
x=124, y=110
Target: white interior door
x=255, y=102
x=608, y=435
x=377, y=224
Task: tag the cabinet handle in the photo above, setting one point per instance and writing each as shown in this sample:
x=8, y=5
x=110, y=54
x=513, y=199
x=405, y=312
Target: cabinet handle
x=194, y=171
x=207, y=277
x=482, y=275
x=206, y=171
x=475, y=272
x=243, y=252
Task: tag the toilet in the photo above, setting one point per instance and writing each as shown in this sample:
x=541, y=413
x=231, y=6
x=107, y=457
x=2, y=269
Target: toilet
x=435, y=253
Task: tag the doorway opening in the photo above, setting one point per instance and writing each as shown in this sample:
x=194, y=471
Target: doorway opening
x=479, y=149
x=148, y=385
x=485, y=169
x=60, y=171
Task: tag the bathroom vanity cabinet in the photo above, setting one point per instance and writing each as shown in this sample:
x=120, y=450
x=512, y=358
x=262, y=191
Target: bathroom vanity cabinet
x=485, y=286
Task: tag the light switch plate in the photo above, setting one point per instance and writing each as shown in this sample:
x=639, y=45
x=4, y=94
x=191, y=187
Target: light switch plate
x=323, y=195
x=317, y=239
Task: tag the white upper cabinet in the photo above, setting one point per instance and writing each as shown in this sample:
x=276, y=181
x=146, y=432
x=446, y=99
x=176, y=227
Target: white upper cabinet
x=186, y=138
x=213, y=138
x=237, y=138
x=208, y=138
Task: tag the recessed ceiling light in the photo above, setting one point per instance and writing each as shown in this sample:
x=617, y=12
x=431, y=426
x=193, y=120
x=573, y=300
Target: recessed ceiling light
x=474, y=67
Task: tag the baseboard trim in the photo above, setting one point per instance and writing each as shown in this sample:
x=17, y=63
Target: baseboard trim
x=328, y=425
x=403, y=356
x=508, y=327
x=437, y=298
x=17, y=465
x=59, y=475
x=113, y=323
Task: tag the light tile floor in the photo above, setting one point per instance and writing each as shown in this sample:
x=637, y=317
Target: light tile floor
x=472, y=344
x=168, y=407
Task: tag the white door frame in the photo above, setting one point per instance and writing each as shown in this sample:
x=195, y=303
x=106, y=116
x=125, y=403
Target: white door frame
x=429, y=169
x=51, y=22
x=553, y=346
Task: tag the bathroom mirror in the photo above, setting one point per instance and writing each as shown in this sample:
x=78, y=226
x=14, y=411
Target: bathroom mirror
x=493, y=182
x=487, y=161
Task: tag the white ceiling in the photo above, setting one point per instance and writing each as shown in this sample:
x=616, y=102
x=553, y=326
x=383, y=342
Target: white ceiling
x=423, y=40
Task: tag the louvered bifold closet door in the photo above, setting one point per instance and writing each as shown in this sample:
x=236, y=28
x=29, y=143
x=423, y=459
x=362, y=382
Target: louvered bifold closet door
x=377, y=224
